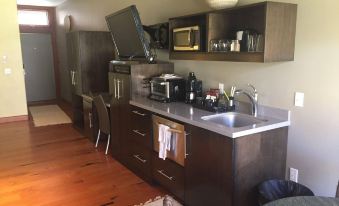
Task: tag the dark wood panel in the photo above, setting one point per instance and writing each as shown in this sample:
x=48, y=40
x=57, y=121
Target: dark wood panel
x=275, y=21
x=88, y=55
x=281, y=29
x=219, y=56
x=78, y=112
x=170, y=175
x=96, y=51
x=208, y=169
x=257, y=158
x=139, y=160
x=88, y=120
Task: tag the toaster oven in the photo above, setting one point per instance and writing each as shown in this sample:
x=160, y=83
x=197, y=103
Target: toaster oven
x=167, y=88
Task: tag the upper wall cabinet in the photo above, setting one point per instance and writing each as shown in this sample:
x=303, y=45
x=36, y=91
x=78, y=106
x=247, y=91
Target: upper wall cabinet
x=268, y=34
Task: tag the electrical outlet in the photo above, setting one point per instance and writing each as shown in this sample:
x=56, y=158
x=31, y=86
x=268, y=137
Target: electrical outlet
x=299, y=99
x=294, y=173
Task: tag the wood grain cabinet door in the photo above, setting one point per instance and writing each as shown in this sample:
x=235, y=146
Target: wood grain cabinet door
x=208, y=169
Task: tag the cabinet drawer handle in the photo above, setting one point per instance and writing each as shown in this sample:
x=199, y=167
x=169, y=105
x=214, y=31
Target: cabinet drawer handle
x=138, y=113
x=139, y=133
x=165, y=175
x=139, y=158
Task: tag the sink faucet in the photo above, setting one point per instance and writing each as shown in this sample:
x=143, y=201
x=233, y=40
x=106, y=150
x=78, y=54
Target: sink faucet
x=253, y=96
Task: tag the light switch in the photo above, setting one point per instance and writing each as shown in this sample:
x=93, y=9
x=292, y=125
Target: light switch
x=299, y=99
x=8, y=71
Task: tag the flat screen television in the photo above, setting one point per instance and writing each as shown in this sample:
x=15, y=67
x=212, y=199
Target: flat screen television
x=128, y=35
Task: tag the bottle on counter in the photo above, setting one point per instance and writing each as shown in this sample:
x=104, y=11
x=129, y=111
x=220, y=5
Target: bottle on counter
x=222, y=100
x=191, y=88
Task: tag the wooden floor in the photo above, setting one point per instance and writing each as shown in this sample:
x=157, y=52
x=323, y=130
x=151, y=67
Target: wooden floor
x=56, y=165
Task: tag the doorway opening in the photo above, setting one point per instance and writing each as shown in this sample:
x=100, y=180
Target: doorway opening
x=38, y=44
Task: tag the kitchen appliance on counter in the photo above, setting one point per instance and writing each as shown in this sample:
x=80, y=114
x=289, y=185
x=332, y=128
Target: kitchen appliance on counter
x=167, y=88
x=193, y=88
x=187, y=38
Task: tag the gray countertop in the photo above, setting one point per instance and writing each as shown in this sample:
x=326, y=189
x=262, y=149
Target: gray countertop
x=276, y=118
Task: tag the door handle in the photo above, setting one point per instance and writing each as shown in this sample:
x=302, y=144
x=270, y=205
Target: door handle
x=72, y=76
x=90, y=119
x=139, y=158
x=165, y=175
x=118, y=83
x=138, y=113
x=75, y=78
x=122, y=89
x=139, y=133
x=185, y=144
x=115, y=87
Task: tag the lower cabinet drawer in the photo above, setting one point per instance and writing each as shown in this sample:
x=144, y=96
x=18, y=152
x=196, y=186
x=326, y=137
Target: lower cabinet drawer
x=139, y=161
x=141, y=136
x=169, y=174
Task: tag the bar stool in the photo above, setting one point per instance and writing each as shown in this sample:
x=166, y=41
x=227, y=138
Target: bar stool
x=104, y=122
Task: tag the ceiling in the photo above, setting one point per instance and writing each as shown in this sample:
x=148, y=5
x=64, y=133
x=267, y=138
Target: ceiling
x=40, y=2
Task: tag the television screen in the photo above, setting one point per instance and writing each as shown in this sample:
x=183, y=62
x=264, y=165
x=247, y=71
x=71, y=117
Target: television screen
x=128, y=34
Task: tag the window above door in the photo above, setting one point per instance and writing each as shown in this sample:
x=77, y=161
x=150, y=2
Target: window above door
x=33, y=17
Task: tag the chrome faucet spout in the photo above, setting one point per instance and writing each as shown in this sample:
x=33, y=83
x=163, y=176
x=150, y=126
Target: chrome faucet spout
x=253, y=96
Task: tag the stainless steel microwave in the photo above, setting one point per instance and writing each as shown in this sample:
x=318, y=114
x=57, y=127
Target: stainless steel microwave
x=187, y=39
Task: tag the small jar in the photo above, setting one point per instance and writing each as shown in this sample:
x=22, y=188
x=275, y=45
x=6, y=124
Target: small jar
x=235, y=46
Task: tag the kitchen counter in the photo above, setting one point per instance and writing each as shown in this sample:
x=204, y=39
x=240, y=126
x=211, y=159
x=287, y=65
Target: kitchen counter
x=274, y=118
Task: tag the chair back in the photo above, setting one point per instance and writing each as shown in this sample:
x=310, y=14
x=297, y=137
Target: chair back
x=104, y=123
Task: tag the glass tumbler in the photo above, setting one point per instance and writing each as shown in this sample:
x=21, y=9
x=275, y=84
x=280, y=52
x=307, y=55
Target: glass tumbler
x=214, y=45
x=224, y=45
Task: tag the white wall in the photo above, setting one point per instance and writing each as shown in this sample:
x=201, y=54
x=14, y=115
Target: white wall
x=12, y=87
x=313, y=145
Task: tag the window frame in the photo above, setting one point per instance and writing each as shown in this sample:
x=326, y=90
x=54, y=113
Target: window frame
x=38, y=28
x=35, y=10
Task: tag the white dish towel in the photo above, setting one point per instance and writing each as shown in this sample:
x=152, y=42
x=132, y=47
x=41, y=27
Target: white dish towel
x=164, y=139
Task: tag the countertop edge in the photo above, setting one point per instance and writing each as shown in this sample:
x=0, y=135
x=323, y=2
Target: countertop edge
x=221, y=131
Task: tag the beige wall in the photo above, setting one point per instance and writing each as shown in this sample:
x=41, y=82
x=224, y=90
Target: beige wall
x=12, y=87
x=314, y=134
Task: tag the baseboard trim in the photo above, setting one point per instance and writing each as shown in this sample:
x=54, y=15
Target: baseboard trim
x=13, y=119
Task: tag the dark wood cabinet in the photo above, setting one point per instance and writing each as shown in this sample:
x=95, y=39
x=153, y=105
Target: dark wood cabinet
x=141, y=127
x=170, y=175
x=136, y=150
x=128, y=126
x=88, y=57
x=88, y=119
x=119, y=87
x=208, y=168
x=78, y=113
x=218, y=170
x=275, y=21
x=226, y=171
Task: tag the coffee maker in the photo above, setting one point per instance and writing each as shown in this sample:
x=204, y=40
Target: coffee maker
x=193, y=88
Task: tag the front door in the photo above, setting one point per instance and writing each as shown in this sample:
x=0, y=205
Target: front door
x=39, y=68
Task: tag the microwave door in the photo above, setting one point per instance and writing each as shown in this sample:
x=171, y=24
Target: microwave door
x=182, y=38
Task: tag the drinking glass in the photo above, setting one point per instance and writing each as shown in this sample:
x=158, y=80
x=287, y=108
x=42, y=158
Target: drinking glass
x=224, y=45
x=214, y=45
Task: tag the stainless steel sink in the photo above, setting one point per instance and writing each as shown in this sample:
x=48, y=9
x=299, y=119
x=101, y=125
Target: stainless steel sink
x=233, y=119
